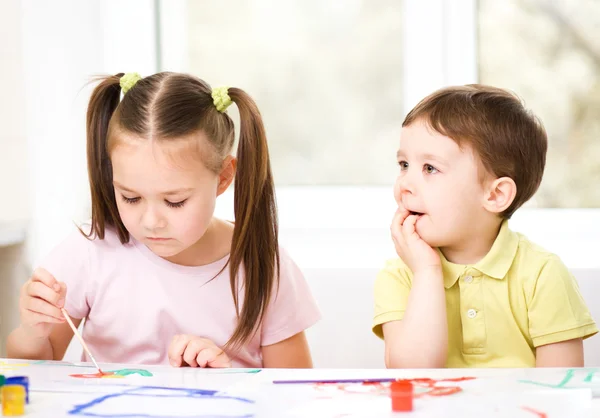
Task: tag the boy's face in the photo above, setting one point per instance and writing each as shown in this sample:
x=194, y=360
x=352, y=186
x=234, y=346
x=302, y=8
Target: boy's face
x=441, y=181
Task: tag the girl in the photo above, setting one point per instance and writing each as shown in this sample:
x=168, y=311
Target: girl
x=158, y=278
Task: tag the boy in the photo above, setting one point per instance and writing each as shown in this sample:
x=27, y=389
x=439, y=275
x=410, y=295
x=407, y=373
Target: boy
x=467, y=291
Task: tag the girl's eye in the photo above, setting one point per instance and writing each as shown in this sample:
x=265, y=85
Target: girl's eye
x=130, y=200
x=175, y=204
x=403, y=165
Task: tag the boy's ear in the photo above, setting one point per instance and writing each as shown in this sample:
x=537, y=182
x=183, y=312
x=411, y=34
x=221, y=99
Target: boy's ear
x=499, y=195
x=227, y=174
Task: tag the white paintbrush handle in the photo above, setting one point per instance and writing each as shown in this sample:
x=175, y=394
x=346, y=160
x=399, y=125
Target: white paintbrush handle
x=84, y=345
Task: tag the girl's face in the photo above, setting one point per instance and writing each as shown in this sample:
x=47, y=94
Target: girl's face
x=165, y=193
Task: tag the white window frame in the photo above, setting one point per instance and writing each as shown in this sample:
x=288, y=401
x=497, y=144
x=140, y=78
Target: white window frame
x=348, y=226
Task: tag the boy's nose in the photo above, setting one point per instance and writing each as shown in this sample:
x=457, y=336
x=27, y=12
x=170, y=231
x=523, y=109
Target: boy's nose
x=403, y=189
x=405, y=185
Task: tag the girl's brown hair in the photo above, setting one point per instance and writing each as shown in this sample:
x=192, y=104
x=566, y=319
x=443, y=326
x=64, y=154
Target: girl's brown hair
x=168, y=106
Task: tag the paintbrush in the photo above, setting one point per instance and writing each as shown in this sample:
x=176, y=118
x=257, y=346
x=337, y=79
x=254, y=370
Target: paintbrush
x=83, y=344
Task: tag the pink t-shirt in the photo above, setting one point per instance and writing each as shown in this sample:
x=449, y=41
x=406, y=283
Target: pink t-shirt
x=135, y=301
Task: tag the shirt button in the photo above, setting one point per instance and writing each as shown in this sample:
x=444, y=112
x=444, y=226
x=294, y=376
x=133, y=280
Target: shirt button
x=468, y=279
x=471, y=313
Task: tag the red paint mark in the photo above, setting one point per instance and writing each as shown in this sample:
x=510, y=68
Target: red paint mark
x=115, y=374
x=457, y=379
x=443, y=391
x=94, y=375
x=432, y=389
x=534, y=411
x=423, y=387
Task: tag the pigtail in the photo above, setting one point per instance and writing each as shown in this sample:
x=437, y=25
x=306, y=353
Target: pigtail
x=255, y=237
x=103, y=102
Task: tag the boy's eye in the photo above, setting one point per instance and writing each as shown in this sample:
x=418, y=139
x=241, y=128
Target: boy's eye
x=175, y=204
x=429, y=169
x=130, y=200
x=403, y=165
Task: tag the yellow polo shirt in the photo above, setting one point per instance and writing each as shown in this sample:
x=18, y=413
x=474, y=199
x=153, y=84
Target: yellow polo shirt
x=518, y=297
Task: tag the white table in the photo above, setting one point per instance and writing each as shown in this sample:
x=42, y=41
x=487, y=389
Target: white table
x=514, y=393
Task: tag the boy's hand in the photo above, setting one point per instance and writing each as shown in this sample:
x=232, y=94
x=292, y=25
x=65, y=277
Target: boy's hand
x=411, y=248
x=42, y=297
x=196, y=352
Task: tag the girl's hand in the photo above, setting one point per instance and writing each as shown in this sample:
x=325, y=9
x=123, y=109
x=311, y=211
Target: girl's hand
x=196, y=352
x=40, y=303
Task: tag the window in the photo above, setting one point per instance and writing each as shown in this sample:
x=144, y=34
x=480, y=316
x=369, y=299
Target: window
x=327, y=76
x=547, y=51
x=334, y=79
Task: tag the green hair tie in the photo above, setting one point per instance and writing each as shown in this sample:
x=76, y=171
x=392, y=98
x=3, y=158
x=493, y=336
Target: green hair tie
x=221, y=98
x=128, y=80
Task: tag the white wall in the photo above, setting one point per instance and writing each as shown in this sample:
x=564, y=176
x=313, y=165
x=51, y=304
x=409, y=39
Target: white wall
x=14, y=205
x=49, y=52
x=13, y=162
x=65, y=44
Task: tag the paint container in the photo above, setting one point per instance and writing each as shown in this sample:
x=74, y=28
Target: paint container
x=402, y=396
x=13, y=400
x=22, y=381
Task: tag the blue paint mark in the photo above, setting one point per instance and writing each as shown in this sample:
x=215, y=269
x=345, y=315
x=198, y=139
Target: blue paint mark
x=83, y=410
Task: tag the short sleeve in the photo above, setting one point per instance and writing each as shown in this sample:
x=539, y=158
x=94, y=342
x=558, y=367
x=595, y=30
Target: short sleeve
x=292, y=308
x=392, y=287
x=68, y=262
x=556, y=309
